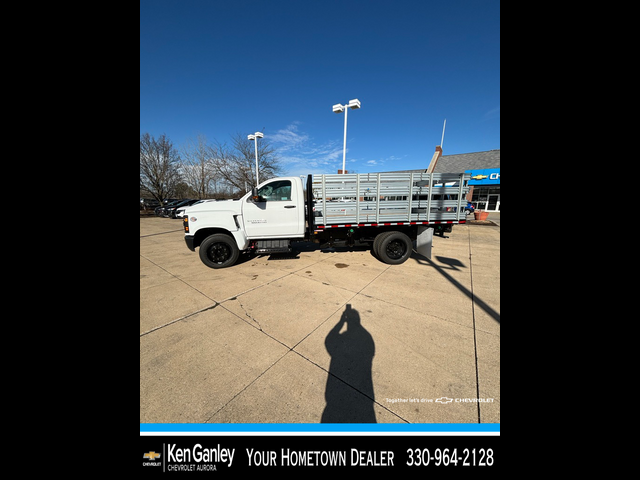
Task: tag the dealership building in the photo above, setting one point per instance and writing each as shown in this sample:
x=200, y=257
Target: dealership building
x=484, y=168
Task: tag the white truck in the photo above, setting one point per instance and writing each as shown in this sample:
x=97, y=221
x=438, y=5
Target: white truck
x=387, y=211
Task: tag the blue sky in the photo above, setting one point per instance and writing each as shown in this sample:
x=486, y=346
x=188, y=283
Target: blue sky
x=221, y=67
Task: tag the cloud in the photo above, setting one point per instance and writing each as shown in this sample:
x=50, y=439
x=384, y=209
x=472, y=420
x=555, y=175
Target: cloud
x=289, y=138
x=493, y=113
x=379, y=162
x=300, y=155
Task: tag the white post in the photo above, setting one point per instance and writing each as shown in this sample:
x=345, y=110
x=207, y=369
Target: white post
x=255, y=141
x=344, y=148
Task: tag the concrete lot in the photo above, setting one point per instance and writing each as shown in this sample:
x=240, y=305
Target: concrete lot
x=329, y=336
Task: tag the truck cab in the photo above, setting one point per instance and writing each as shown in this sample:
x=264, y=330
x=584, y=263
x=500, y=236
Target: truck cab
x=264, y=220
x=275, y=210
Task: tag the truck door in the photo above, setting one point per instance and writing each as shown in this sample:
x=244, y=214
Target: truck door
x=275, y=214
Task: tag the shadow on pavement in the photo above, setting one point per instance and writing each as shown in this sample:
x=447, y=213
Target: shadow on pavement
x=349, y=393
x=453, y=264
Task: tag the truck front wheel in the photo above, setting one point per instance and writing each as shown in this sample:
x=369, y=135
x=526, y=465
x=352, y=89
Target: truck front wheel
x=393, y=248
x=219, y=251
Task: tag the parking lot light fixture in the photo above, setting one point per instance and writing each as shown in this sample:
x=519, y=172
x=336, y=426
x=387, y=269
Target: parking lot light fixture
x=339, y=108
x=255, y=138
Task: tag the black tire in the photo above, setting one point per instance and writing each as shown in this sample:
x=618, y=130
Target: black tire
x=219, y=251
x=376, y=243
x=394, y=248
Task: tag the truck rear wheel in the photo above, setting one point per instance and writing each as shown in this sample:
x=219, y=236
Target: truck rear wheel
x=219, y=251
x=376, y=243
x=393, y=248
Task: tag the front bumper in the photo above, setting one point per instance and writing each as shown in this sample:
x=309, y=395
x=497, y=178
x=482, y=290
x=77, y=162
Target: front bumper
x=189, y=241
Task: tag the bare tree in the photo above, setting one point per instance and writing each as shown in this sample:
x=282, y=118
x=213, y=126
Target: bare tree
x=235, y=164
x=197, y=166
x=158, y=166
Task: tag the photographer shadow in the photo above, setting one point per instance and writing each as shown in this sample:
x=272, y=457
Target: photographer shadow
x=349, y=392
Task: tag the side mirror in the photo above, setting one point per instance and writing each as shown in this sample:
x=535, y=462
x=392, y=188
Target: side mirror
x=254, y=195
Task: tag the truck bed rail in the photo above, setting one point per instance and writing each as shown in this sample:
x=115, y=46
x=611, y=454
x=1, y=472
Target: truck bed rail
x=375, y=198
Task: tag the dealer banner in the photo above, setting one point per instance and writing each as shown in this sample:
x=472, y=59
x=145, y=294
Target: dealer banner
x=227, y=454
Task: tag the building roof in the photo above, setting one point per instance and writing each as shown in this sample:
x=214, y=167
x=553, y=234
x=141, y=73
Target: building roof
x=468, y=161
x=463, y=162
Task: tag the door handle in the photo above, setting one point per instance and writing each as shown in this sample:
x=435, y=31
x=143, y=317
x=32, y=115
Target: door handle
x=289, y=206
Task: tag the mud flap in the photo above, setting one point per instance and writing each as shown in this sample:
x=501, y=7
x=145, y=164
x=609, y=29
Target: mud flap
x=424, y=241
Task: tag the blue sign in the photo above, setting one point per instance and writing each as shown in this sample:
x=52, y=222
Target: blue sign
x=487, y=176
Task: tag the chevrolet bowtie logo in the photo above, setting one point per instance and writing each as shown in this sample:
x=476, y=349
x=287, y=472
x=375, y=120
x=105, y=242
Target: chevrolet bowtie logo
x=151, y=455
x=444, y=400
x=479, y=177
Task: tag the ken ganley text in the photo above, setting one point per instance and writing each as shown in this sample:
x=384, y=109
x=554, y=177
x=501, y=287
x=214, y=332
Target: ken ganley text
x=193, y=458
x=323, y=458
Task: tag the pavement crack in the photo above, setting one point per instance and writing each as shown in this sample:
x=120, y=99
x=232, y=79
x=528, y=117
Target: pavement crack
x=160, y=233
x=178, y=278
x=210, y=418
x=473, y=316
x=249, y=315
x=210, y=307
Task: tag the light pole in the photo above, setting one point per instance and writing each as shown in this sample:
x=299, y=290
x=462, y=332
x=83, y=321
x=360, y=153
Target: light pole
x=339, y=108
x=255, y=138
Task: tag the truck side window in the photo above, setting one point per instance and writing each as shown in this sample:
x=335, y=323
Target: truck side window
x=275, y=191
